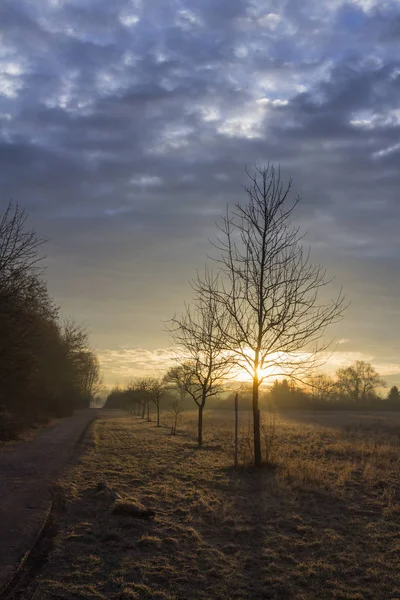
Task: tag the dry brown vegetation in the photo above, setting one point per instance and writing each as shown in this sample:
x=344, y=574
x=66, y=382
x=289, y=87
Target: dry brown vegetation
x=323, y=523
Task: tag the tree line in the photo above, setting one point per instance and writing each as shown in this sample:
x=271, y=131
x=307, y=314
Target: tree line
x=352, y=388
x=47, y=367
x=356, y=387
x=144, y=396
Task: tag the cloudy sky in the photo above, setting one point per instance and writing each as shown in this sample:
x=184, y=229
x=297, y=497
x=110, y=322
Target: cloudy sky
x=125, y=127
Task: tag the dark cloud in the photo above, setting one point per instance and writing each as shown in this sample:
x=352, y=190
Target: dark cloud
x=125, y=127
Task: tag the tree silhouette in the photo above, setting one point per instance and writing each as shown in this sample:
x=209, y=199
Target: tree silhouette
x=204, y=362
x=394, y=396
x=359, y=381
x=269, y=293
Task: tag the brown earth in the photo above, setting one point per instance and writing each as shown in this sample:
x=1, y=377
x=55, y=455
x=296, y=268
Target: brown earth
x=27, y=471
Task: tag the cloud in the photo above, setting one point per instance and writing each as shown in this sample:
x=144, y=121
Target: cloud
x=120, y=366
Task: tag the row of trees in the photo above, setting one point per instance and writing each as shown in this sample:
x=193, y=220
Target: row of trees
x=138, y=397
x=46, y=364
x=142, y=396
x=354, y=387
x=263, y=307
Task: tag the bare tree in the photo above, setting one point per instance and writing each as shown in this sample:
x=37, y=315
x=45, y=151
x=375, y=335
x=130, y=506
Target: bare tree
x=90, y=374
x=19, y=249
x=83, y=361
x=45, y=367
x=204, y=362
x=178, y=377
x=359, y=381
x=156, y=390
x=176, y=410
x=144, y=386
x=131, y=394
x=322, y=388
x=269, y=289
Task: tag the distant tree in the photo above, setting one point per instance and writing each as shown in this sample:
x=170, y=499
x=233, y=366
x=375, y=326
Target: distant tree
x=359, y=382
x=204, y=361
x=144, y=387
x=322, y=388
x=116, y=399
x=83, y=363
x=176, y=410
x=178, y=378
x=90, y=375
x=280, y=392
x=156, y=390
x=394, y=397
x=286, y=394
x=131, y=399
x=269, y=289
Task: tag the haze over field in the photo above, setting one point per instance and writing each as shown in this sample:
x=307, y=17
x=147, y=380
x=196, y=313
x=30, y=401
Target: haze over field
x=125, y=128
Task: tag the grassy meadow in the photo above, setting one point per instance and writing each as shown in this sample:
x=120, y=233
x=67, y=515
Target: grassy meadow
x=322, y=521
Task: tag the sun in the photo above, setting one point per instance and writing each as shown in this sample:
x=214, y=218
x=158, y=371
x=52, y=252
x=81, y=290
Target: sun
x=278, y=366
x=269, y=373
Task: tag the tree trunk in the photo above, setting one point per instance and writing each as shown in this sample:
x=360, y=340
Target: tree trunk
x=144, y=410
x=148, y=411
x=158, y=415
x=256, y=425
x=200, y=427
x=236, y=429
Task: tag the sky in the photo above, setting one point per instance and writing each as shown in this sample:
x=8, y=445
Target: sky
x=125, y=128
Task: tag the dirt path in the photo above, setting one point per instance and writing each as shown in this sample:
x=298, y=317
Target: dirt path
x=27, y=471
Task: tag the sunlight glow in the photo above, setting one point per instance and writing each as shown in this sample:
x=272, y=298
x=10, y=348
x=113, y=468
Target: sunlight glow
x=275, y=369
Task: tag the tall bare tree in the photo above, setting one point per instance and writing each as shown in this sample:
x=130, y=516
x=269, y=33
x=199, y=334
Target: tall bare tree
x=204, y=362
x=268, y=288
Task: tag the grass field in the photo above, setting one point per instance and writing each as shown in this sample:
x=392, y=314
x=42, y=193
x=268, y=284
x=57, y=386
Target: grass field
x=324, y=522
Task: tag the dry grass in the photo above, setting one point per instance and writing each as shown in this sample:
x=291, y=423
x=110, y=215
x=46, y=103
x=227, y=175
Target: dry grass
x=323, y=524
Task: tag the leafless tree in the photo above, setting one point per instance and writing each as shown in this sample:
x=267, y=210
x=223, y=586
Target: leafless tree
x=84, y=362
x=90, y=377
x=176, y=410
x=204, y=362
x=269, y=289
x=177, y=377
x=144, y=386
x=131, y=397
x=359, y=381
x=156, y=390
x=19, y=249
x=322, y=388
x=45, y=367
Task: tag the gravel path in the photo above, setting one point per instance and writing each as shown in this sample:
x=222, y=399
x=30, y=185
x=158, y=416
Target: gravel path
x=26, y=472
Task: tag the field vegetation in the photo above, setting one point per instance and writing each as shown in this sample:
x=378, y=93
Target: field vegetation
x=321, y=520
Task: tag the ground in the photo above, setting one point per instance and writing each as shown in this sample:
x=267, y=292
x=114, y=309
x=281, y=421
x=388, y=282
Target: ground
x=322, y=522
x=27, y=471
